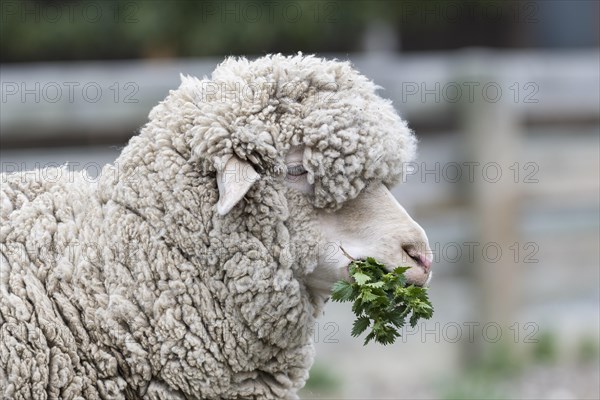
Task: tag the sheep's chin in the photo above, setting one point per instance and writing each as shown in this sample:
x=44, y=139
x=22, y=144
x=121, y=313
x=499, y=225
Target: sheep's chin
x=422, y=282
x=416, y=277
x=320, y=281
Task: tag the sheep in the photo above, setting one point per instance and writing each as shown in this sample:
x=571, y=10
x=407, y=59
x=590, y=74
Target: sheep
x=195, y=265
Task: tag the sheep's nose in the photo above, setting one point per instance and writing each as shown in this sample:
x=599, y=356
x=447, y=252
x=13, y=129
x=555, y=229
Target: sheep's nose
x=419, y=256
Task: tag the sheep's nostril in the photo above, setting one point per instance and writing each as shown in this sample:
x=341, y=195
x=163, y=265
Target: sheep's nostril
x=421, y=259
x=425, y=262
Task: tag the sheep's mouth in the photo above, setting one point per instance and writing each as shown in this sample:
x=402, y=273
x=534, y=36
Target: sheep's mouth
x=424, y=284
x=345, y=275
x=420, y=278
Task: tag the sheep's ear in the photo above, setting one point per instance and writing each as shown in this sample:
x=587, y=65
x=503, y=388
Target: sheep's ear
x=234, y=178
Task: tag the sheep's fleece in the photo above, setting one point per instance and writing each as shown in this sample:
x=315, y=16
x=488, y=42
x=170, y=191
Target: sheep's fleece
x=132, y=286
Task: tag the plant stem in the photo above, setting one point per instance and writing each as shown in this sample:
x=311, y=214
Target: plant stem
x=347, y=255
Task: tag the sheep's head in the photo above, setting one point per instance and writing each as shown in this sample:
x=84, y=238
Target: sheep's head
x=317, y=130
x=373, y=224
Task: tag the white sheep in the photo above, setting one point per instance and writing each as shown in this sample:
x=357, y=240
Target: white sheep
x=194, y=267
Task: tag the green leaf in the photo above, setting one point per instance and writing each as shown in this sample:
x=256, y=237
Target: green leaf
x=361, y=278
x=341, y=291
x=381, y=300
x=369, y=337
x=400, y=270
x=360, y=325
x=368, y=296
x=372, y=261
x=398, y=318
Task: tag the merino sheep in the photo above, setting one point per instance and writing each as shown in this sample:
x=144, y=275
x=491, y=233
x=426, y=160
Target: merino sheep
x=195, y=265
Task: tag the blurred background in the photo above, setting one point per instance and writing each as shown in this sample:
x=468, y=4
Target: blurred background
x=504, y=97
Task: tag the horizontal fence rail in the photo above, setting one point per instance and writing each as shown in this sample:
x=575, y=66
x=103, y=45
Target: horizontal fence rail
x=85, y=102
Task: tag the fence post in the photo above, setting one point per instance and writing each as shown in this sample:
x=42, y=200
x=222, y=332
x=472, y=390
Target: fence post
x=491, y=128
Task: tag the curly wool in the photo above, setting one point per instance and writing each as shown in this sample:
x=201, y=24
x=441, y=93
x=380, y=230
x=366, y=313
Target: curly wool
x=133, y=286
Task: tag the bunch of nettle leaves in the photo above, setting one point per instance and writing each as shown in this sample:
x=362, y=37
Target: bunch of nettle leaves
x=382, y=298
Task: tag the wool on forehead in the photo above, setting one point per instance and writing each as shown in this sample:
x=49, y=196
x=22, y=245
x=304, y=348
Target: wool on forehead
x=259, y=109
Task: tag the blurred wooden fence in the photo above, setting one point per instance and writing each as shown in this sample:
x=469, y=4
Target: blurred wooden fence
x=109, y=100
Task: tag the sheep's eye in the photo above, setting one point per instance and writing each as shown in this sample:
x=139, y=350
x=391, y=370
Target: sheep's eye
x=296, y=170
